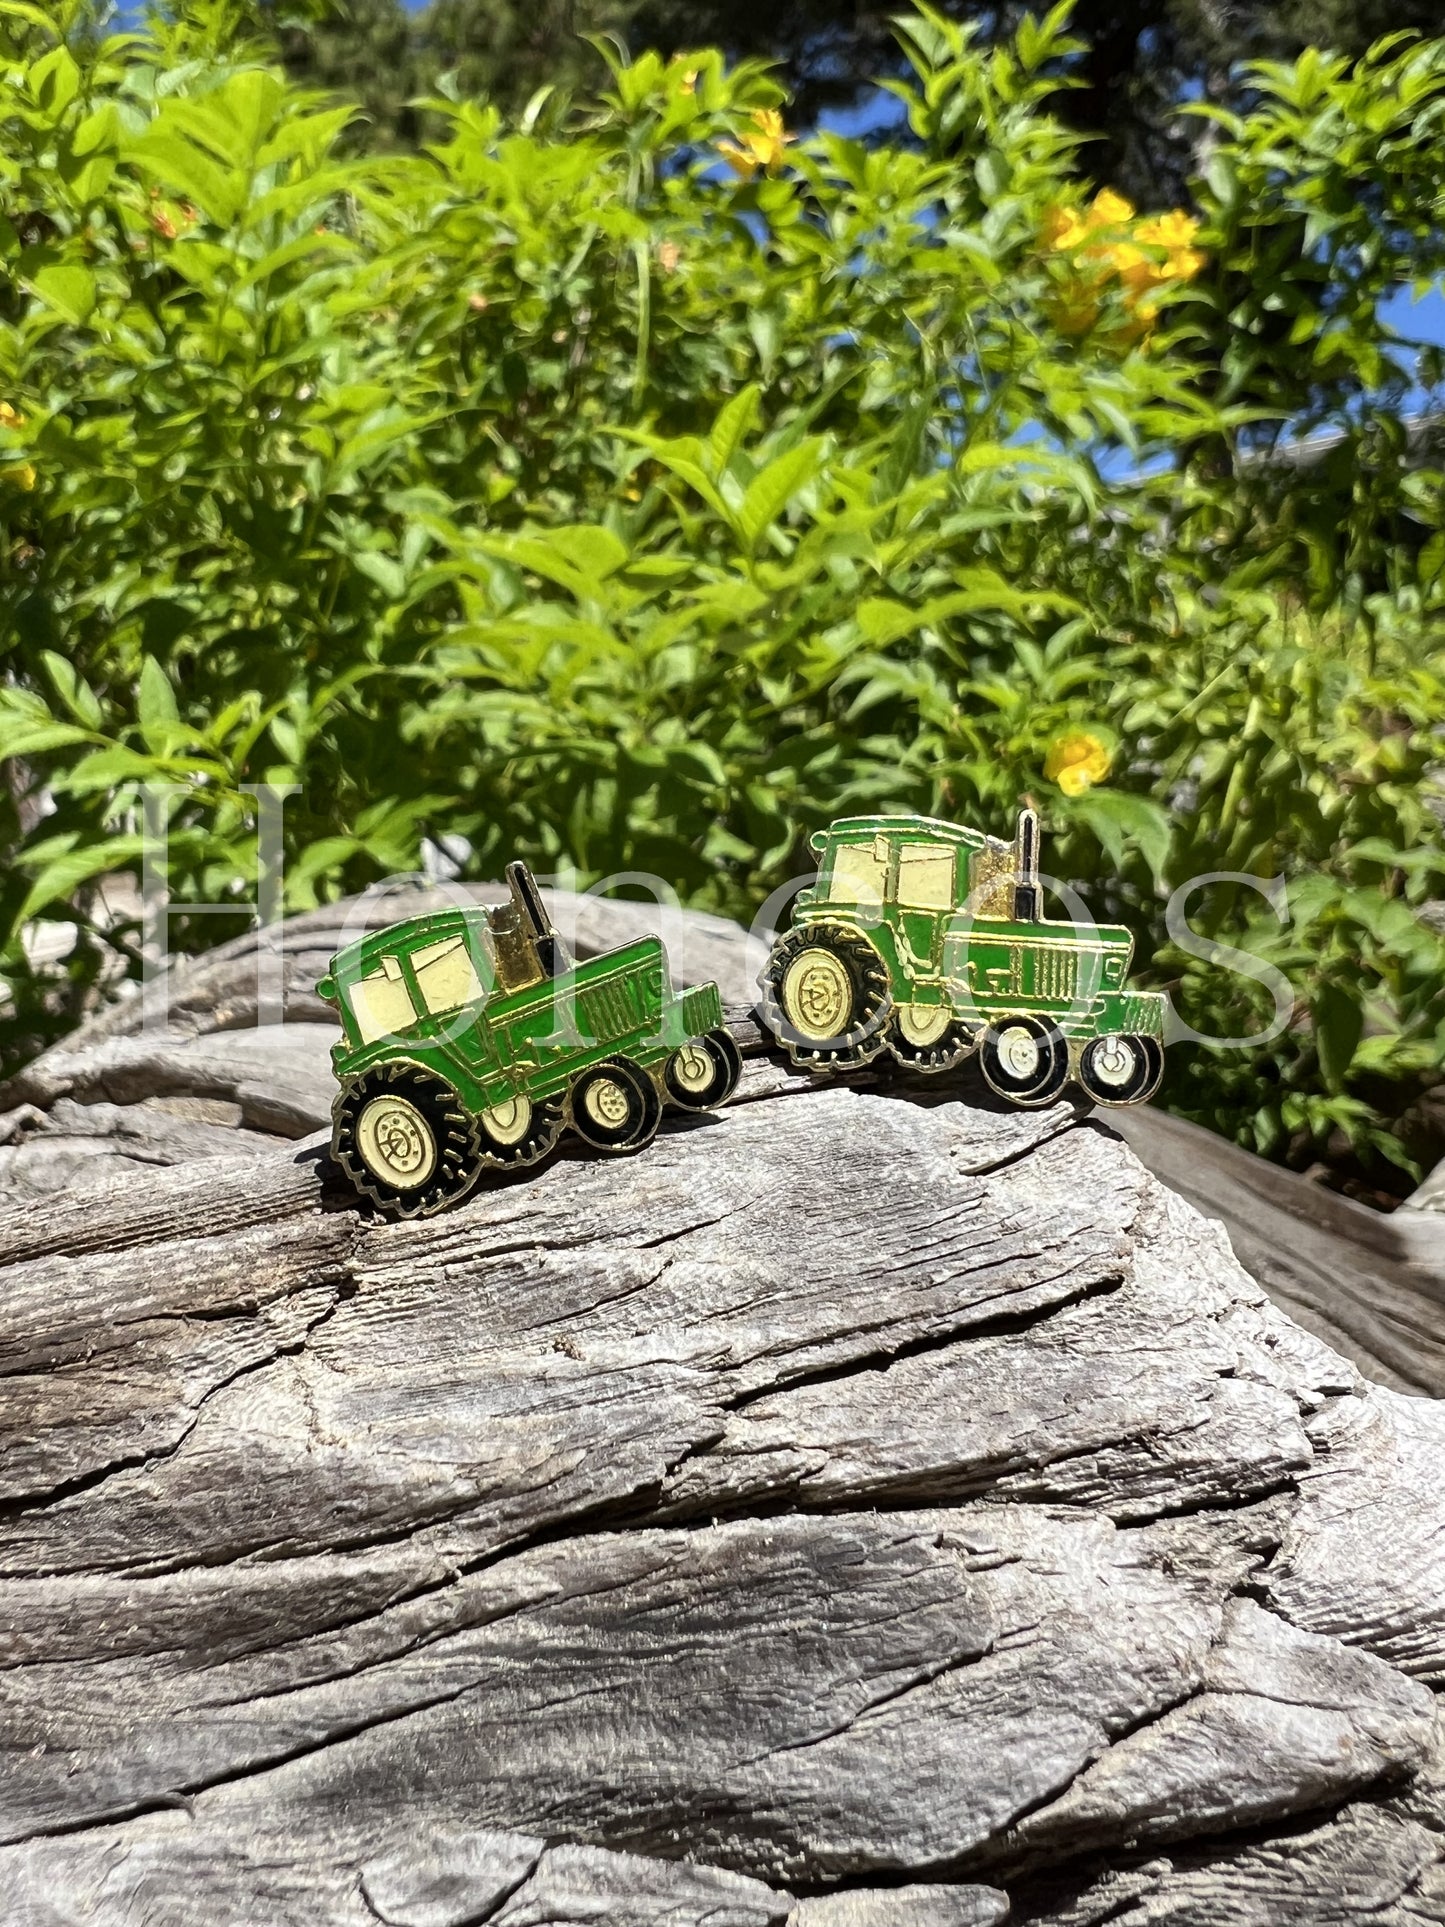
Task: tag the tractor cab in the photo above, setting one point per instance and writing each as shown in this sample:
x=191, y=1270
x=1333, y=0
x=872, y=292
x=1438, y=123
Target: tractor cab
x=878, y=867
x=423, y=972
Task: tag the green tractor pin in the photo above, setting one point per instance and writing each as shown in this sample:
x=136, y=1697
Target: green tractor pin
x=471, y=1040
x=927, y=940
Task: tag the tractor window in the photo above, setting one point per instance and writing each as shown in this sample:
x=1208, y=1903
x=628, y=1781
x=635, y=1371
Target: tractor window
x=992, y=876
x=380, y=1002
x=925, y=877
x=446, y=975
x=858, y=876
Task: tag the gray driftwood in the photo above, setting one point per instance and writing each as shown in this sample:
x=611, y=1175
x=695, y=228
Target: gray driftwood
x=1370, y=1285
x=867, y=1508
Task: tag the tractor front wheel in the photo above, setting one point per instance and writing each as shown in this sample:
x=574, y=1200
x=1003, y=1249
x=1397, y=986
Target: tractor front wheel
x=615, y=1107
x=518, y=1131
x=928, y=1037
x=826, y=996
x=403, y=1139
x=1024, y=1059
x=704, y=1072
x=1121, y=1070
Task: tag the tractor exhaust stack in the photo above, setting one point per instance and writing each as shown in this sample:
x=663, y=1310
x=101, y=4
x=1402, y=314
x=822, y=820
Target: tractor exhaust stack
x=1026, y=869
x=533, y=917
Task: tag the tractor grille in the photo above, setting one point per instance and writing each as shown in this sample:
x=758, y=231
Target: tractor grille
x=605, y=1013
x=1056, y=974
x=701, y=1010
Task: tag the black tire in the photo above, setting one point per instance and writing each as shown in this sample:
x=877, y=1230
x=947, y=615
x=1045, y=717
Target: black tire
x=1154, y=1050
x=941, y=1053
x=1028, y=1076
x=622, y=1087
x=400, y=1115
x=1121, y=1070
x=524, y=1140
x=683, y=1076
x=862, y=1007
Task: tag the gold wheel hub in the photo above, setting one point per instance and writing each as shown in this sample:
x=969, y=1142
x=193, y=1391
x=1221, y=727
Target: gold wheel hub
x=922, y=1024
x=816, y=994
x=396, y=1142
x=692, y=1068
x=607, y=1103
x=1018, y=1051
x=508, y=1123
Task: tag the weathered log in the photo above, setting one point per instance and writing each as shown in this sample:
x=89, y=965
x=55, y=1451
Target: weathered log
x=869, y=1505
x=1370, y=1285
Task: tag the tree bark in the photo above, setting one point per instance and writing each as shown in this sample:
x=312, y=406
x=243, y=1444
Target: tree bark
x=868, y=1505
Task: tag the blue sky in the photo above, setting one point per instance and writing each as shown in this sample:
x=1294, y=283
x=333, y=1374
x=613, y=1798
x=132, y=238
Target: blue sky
x=1422, y=320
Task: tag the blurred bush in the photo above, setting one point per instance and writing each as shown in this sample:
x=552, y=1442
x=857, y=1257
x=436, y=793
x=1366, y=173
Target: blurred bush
x=636, y=486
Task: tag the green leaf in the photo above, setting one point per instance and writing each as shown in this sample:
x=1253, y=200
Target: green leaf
x=59, y=879
x=1223, y=184
x=592, y=553
x=883, y=621
x=732, y=423
x=106, y=769
x=178, y=164
x=1339, y=1022
x=1119, y=818
x=69, y=291
x=384, y=570
x=20, y=737
x=992, y=172
x=76, y=694
x=55, y=81
x=776, y=485
x=156, y=700
x=683, y=457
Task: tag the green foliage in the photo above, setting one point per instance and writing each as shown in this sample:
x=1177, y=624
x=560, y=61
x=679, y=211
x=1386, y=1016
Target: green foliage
x=1136, y=64
x=560, y=488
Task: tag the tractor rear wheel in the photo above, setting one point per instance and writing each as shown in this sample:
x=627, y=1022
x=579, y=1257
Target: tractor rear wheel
x=518, y=1131
x=402, y=1137
x=1025, y=1059
x=826, y=996
x=703, y=1073
x=615, y=1106
x=1121, y=1070
x=928, y=1037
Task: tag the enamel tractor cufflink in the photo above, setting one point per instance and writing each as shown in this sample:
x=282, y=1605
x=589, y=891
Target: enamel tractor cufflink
x=927, y=940
x=471, y=1040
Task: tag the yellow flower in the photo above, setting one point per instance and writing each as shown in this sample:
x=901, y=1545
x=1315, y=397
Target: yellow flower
x=668, y=256
x=1132, y=265
x=23, y=475
x=1185, y=263
x=1077, y=761
x=1112, y=248
x=1064, y=227
x=1110, y=210
x=689, y=81
x=766, y=148
x=1175, y=230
